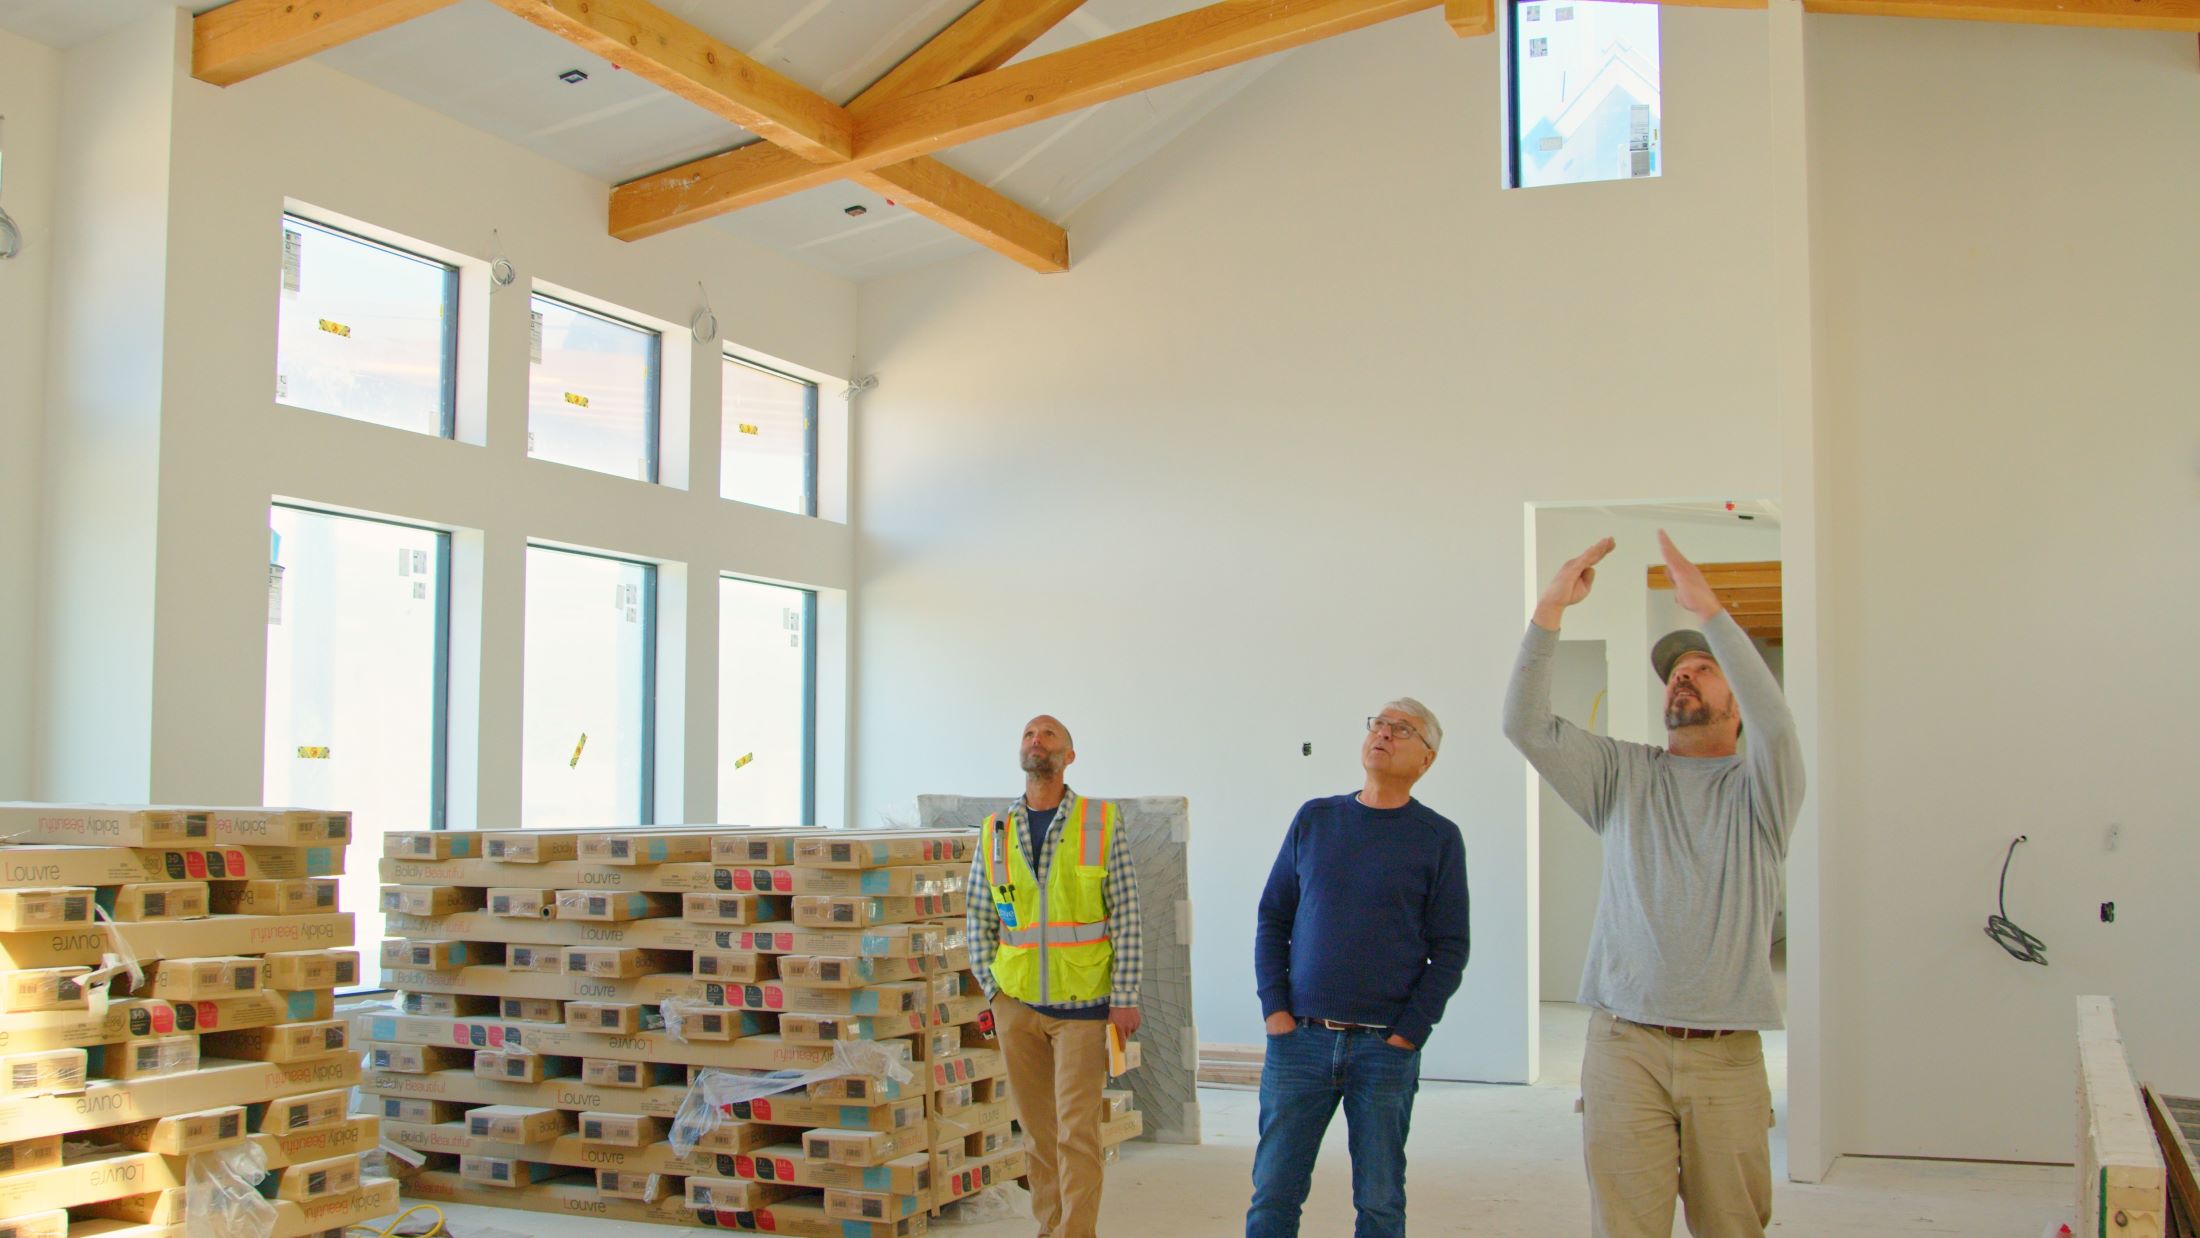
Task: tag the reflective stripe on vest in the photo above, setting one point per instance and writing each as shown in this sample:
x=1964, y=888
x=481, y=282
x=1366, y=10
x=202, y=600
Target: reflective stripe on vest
x=1060, y=933
x=1094, y=839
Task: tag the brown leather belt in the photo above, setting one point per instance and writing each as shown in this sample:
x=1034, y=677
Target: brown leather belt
x=1335, y=1025
x=1688, y=1033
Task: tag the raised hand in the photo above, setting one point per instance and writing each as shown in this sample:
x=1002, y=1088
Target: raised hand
x=1571, y=585
x=1690, y=589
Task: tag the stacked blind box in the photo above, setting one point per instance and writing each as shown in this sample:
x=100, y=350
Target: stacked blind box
x=169, y=990
x=585, y=983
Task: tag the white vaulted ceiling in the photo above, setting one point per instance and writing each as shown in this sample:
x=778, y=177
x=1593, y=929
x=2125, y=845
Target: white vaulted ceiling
x=488, y=69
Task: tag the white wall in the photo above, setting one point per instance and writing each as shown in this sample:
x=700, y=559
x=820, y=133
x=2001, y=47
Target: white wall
x=100, y=444
x=30, y=99
x=2009, y=279
x=1259, y=462
x=311, y=136
x=1282, y=416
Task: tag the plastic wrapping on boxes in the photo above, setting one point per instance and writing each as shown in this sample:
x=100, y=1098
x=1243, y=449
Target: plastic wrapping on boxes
x=712, y=1093
x=994, y=1203
x=222, y=1193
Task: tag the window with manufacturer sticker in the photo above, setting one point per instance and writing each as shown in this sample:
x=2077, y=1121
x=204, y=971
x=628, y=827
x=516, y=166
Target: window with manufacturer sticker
x=588, y=691
x=593, y=390
x=1583, y=92
x=767, y=677
x=356, y=700
x=767, y=454
x=365, y=330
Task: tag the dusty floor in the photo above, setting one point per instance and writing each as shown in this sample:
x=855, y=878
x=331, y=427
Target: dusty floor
x=1489, y=1160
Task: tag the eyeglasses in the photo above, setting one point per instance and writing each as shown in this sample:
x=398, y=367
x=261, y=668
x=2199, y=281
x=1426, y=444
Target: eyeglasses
x=1397, y=729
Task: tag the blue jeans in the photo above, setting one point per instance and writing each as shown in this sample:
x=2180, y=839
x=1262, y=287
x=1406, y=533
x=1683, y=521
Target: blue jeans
x=1305, y=1074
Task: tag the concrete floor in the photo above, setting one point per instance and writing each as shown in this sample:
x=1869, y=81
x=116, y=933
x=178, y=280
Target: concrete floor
x=1487, y=1160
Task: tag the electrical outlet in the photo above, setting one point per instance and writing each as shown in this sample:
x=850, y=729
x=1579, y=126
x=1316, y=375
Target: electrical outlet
x=1306, y=749
x=2108, y=913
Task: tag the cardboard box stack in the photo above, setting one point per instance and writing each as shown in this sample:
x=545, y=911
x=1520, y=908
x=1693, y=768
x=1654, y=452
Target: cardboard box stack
x=227, y=1036
x=562, y=992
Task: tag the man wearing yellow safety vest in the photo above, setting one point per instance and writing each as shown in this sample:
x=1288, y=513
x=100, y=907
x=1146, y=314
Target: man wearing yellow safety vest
x=1054, y=940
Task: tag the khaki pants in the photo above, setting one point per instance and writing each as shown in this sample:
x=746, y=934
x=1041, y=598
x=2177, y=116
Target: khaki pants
x=1660, y=1115
x=1056, y=1071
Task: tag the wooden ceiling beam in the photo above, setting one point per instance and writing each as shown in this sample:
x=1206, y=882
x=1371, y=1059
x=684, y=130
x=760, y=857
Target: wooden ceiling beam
x=899, y=129
x=1471, y=18
x=1726, y=575
x=2182, y=16
x=973, y=209
x=983, y=39
x=1750, y=592
x=654, y=45
x=1141, y=58
x=989, y=34
x=246, y=38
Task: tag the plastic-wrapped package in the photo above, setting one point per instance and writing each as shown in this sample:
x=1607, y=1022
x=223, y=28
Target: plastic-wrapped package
x=117, y=961
x=675, y=1011
x=994, y=1203
x=376, y=1163
x=222, y=1194
x=712, y=1093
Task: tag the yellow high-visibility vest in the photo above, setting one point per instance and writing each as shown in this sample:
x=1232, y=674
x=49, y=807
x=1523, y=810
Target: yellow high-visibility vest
x=1054, y=938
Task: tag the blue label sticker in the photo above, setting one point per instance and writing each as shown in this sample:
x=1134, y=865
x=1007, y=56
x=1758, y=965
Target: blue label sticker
x=385, y=1029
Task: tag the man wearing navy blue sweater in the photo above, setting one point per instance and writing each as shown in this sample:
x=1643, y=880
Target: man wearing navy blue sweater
x=1362, y=939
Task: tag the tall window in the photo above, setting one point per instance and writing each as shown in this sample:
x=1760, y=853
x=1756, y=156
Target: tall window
x=1585, y=92
x=768, y=455
x=357, y=627
x=767, y=696
x=366, y=331
x=593, y=391
x=588, y=722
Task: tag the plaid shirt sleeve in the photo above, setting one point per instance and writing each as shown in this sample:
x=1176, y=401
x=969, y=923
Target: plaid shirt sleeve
x=1123, y=922
x=983, y=920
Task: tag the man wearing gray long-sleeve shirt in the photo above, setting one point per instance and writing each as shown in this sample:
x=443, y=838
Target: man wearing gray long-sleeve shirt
x=1674, y=1094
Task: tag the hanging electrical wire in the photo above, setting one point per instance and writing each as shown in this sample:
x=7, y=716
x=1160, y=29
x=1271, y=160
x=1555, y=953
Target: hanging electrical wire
x=2022, y=946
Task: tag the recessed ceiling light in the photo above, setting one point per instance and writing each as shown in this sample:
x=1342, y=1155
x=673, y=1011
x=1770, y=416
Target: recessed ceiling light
x=572, y=77
x=853, y=211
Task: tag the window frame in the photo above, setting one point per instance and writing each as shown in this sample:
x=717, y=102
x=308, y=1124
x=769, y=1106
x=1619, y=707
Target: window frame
x=809, y=436
x=1508, y=28
x=809, y=706
x=653, y=392
x=650, y=567
x=439, y=729
x=809, y=689
x=447, y=422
